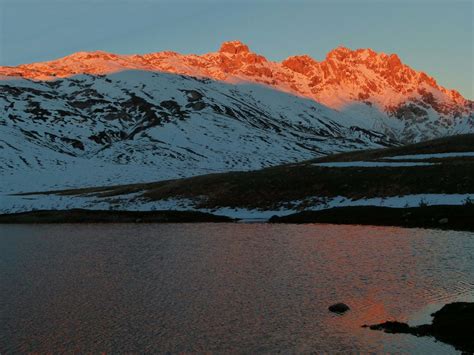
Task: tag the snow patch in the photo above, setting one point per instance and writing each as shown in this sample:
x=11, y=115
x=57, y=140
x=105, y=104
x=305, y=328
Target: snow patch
x=431, y=156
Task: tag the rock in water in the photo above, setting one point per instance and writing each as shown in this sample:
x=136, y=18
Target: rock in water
x=393, y=327
x=453, y=324
x=339, y=308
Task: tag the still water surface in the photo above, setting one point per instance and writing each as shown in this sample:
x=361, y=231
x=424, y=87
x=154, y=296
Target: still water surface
x=224, y=287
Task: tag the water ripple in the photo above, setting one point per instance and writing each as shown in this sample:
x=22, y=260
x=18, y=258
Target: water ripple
x=224, y=287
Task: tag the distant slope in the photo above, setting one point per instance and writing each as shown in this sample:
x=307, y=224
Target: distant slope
x=136, y=126
x=428, y=178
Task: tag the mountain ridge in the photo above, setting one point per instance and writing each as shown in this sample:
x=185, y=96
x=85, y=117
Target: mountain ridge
x=104, y=118
x=297, y=63
x=360, y=82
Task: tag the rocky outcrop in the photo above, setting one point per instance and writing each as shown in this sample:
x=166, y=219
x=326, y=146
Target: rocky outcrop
x=234, y=47
x=453, y=324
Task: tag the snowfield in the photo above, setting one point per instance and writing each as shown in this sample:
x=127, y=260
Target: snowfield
x=141, y=127
x=431, y=156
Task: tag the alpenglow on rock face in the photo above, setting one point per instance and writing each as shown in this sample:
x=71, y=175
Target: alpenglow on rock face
x=375, y=86
x=95, y=118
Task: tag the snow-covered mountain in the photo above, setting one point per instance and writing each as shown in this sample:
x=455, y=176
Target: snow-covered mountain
x=362, y=82
x=99, y=118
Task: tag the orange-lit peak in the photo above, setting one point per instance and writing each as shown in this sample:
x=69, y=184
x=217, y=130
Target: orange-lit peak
x=394, y=61
x=301, y=58
x=338, y=53
x=299, y=63
x=234, y=47
x=362, y=51
x=342, y=53
x=91, y=55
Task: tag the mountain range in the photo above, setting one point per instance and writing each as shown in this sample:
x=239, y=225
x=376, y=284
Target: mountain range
x=96, y=118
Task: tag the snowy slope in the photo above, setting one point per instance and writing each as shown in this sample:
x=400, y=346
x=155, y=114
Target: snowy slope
x=134, y=126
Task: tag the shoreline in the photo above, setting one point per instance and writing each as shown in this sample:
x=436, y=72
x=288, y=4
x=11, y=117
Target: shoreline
x=452, y=324
x=445, y=217
x=106, y=216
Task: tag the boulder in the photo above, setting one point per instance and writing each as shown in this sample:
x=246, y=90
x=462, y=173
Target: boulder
x=339, y=308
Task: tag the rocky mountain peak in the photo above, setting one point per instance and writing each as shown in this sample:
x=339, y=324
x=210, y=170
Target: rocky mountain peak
x=302, y=64
x=339, y=53
x=234, y=47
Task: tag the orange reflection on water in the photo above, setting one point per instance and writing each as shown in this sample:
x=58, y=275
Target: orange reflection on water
x=222, y=287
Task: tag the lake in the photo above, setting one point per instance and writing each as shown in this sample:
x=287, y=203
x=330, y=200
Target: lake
x=225, y=287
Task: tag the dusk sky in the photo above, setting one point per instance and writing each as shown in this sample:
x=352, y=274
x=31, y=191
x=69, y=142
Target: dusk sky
x=433, y=36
